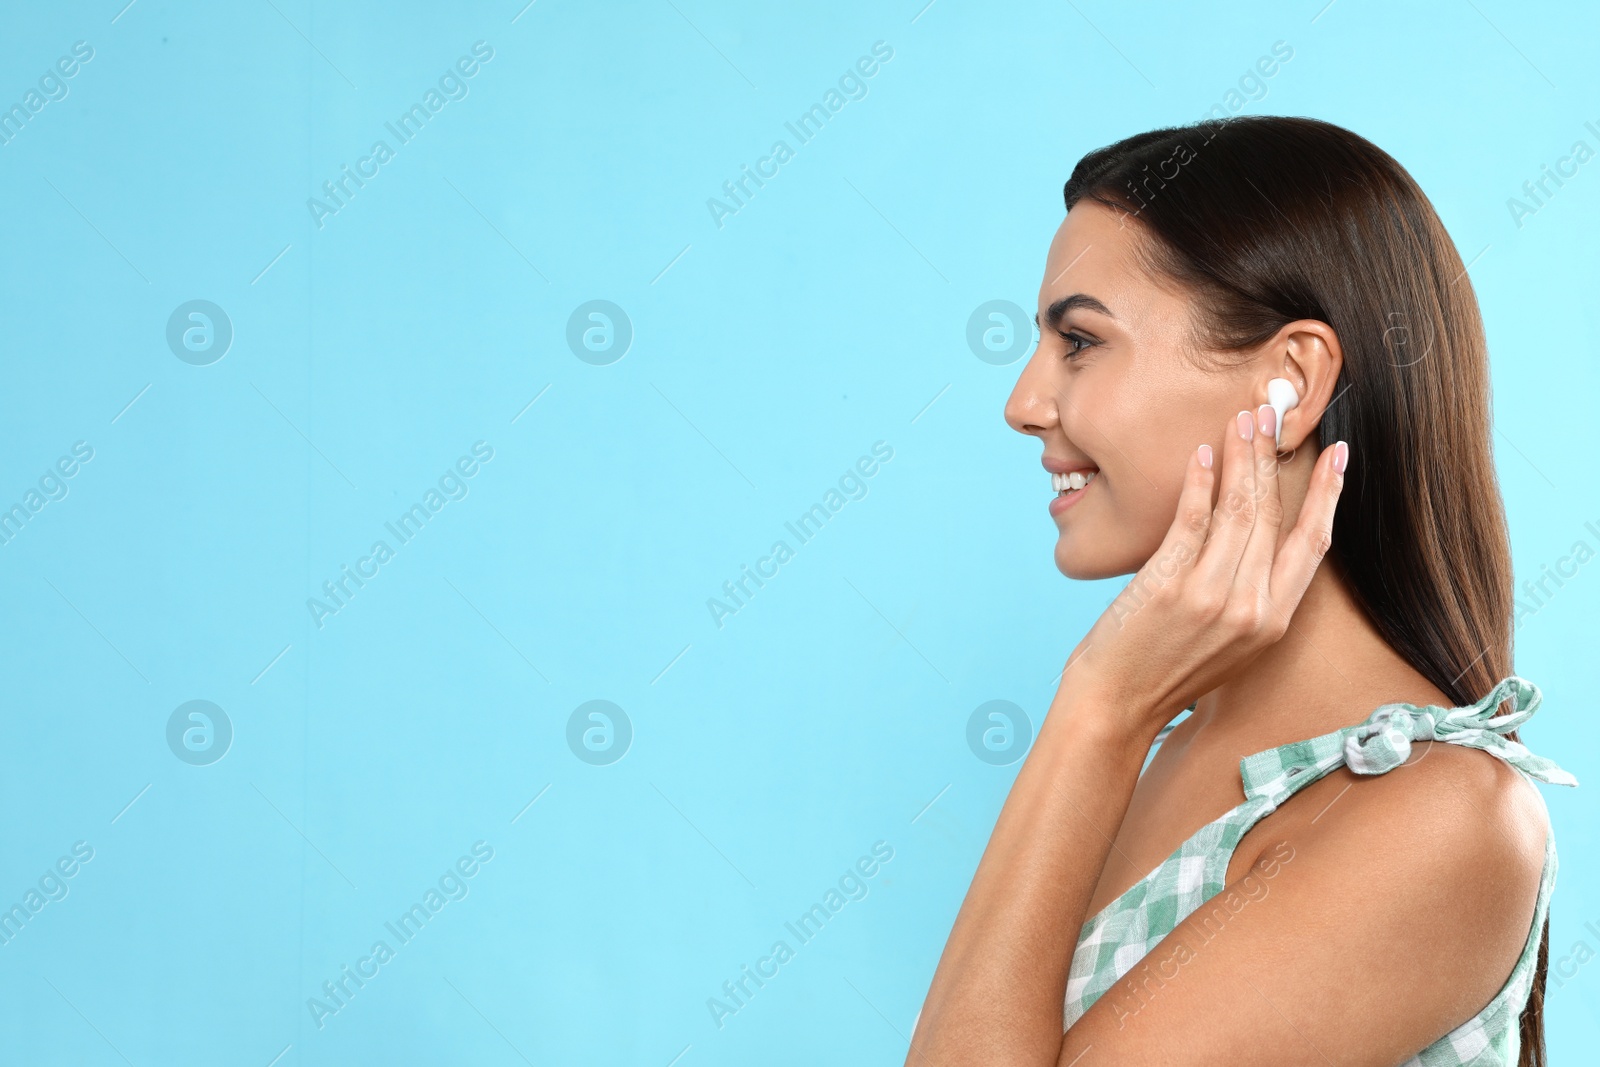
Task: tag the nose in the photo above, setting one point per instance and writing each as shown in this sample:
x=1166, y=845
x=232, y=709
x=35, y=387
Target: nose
x=1031, y=407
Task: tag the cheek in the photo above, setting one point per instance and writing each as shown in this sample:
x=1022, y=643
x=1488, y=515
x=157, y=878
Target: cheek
x=1118, y=529
x=1111, y=424
x=1150, y=470
x=1142, y=461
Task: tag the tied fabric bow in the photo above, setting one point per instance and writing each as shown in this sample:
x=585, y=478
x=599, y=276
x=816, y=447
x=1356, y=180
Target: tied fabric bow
x=1383, y=742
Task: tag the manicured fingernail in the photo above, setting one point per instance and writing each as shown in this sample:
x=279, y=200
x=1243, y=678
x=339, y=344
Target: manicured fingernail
x=1267, y=420
x=1341, y=456
x=1246, y=425
x=1205, y=456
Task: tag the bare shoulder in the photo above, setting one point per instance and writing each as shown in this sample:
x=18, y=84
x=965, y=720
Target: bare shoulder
x=1454, y=838
x=1451, y=815
x=1402, y=900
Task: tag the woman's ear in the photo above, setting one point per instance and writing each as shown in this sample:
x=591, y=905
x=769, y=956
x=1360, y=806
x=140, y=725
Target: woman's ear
x=1307, y=353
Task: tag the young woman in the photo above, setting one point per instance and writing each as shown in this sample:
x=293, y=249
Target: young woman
x=1337, y=857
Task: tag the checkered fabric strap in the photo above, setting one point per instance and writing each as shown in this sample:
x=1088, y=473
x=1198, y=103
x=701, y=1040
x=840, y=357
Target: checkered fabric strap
x=1114, y=941
x=1383, y=742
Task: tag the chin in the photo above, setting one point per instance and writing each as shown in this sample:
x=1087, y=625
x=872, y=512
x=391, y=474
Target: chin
x=1087, y=563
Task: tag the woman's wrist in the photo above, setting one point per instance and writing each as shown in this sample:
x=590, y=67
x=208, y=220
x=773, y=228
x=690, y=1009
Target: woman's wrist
x=1088, y=706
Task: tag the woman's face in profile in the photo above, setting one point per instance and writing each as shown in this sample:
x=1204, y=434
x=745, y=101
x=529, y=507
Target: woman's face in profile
x=1112, y=390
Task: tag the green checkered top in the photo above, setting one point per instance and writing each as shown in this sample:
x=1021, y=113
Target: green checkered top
x=1112, y=942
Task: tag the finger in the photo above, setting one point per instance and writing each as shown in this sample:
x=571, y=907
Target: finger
x=1181, y=546
x=1234, y=514
x=1255, y=565
x=1308, y=542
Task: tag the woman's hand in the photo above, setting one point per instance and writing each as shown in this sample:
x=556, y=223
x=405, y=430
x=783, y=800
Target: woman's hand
x=1219, y=589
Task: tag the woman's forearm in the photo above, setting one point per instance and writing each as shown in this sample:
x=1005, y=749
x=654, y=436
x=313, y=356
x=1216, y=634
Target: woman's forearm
x=1219, y=590
x=997, y=995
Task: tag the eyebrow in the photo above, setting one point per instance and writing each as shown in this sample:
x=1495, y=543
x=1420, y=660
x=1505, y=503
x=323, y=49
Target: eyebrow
x=1077, y=301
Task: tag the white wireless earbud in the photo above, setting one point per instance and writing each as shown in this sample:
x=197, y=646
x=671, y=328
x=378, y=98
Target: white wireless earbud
x=1281, y=396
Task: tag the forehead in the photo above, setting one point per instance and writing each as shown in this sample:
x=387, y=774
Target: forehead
x=1095, y=251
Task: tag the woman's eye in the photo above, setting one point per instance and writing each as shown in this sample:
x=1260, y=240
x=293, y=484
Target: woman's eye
x=1076, y=343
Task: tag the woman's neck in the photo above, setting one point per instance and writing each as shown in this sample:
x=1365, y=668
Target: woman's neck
x=1331, y=669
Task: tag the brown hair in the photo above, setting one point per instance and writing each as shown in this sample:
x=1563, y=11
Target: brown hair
x=1267, y=219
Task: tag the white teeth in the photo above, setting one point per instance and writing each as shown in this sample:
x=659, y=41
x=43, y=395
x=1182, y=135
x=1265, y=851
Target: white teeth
x=1074, y=480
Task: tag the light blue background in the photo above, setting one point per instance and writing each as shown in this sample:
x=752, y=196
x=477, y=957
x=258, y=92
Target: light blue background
x=768, y=354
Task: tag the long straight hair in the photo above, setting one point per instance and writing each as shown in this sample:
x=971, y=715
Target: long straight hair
x=1265, y=220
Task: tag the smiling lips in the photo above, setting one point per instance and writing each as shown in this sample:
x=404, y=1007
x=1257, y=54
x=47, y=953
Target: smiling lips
x=1069, y=486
